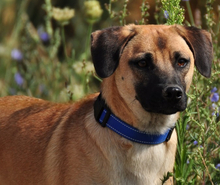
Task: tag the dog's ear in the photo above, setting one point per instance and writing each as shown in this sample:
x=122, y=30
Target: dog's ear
x=107, y=46
x=200, y=42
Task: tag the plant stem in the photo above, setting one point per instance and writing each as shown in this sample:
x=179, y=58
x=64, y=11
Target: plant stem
x=96, y=77
x=48, y=9
x=190, y=13
x=204, y=163
x=110, y=8
x=87, y=41
x=64, y=41
x=124, y=13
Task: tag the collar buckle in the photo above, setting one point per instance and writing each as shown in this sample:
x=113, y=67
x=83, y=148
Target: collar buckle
x=169, y=134
x=99, y=106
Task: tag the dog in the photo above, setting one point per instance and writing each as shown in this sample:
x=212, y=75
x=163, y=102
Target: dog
x=121, y=136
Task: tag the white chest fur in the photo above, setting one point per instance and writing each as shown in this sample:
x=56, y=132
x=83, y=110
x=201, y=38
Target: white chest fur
x=143, y=164
x=132, y=163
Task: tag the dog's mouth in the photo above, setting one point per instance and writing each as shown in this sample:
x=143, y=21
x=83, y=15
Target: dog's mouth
x=168, y=110
x=163, y=107
x=163, y=103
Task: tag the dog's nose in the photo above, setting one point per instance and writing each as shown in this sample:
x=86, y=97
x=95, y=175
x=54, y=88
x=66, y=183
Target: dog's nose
x=173, y=93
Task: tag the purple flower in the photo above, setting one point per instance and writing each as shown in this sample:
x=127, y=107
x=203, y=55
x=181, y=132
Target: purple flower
x=19, y=79
x=44, y=36
x=195, y=142
x=214, y=106
x=187, y=162
x=187, y=127
x=16, y=55
x=214, y=97
x=166, y=14
x=218, y=166
x=214, y=90
x=215, y=114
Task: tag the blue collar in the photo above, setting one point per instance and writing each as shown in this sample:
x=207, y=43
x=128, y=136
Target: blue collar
x=106, y=118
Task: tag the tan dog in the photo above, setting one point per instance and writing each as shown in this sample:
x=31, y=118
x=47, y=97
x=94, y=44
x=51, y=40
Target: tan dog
x=147, y=71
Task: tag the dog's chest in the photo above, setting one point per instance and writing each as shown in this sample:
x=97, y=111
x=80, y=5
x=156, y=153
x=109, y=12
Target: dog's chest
x=140, y=165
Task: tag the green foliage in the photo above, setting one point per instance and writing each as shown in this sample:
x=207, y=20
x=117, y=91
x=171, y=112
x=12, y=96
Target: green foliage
x=47, y=61
x=121, y=15
x=172, y=11
x=144, y=12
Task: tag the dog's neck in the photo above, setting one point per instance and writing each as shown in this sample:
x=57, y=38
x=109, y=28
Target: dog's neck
x=142, y=120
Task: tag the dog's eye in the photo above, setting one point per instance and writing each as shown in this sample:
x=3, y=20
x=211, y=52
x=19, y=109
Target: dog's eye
x=182, y=62
x=142, y=63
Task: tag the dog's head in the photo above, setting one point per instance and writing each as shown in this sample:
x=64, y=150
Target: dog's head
x=152, y=65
